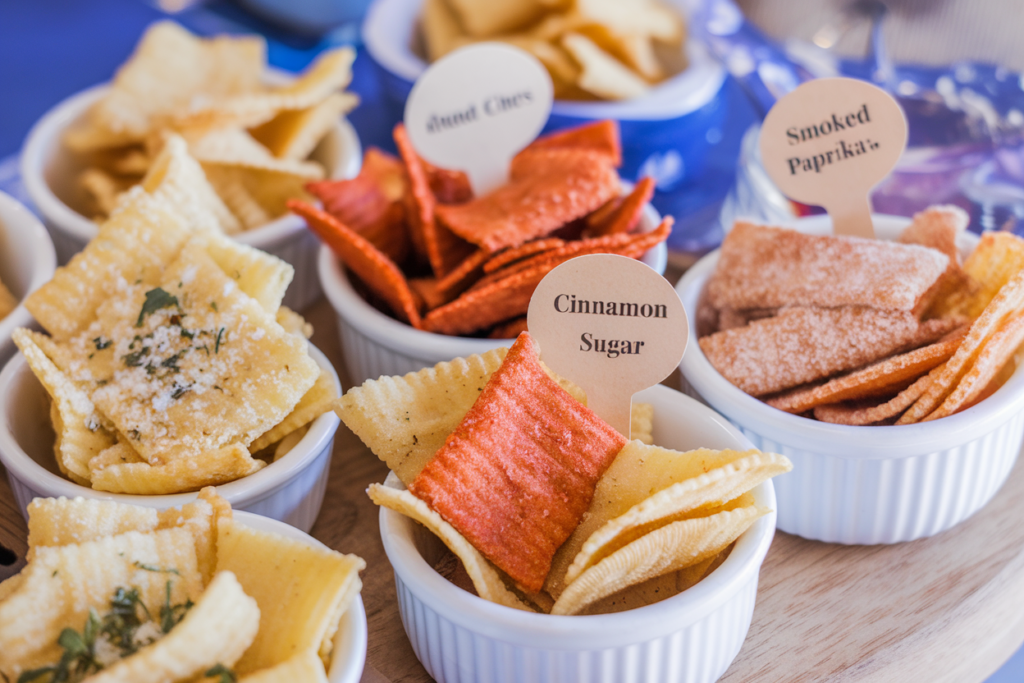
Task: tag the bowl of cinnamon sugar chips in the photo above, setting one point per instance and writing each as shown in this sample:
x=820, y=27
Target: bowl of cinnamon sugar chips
x=885, y=369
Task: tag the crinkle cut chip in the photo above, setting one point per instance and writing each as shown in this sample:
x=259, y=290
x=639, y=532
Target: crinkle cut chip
x=627, y=214
x=443, y=250
x=547, y=189
x=600, y=136
x=375, y=269
x=517, y=474
x=371, y=203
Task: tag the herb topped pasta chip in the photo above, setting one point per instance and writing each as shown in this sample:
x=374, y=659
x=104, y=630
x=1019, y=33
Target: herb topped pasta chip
x=167, y=360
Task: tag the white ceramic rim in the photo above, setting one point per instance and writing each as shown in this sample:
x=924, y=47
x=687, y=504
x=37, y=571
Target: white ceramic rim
x=47, y=131
x=390, y=23
x=351, y=638
x=14, y=216
x=399, y=336
x=890, y=442
x=239, y=493
x=547, y=632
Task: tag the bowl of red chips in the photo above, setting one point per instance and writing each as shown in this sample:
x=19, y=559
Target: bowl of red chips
x=420, y=271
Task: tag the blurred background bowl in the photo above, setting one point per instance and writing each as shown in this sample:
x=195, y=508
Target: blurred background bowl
x=49, y=171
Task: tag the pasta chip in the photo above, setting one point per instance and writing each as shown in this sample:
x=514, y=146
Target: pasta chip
x=301, y=591
x=188, y=473
x=405, y=420
x=317, y=401
x=486, y=580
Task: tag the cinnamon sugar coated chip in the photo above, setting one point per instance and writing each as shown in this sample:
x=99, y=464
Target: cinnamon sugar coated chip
x=470, y=263
x=866, y=331
x=518, y=509
x=762, y=267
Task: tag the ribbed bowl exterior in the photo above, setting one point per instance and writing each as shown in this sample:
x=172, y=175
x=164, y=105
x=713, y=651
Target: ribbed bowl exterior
x=297, y=502
x=867, y=502
x=697, y=653
x=874, y=484
x=300, y=249
x=366, y=358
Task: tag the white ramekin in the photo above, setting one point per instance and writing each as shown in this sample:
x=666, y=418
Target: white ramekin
x=376, y=344
x=290, y=490
x=867, y=485
x=349, y=654
x=692, y=637
x=27, y=261
x=49, y=171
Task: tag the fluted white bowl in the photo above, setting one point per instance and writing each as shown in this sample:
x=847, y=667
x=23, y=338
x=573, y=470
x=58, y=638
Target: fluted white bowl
x=27, y=261
x=290, y=490
x=349, y=654
x=49, y=171
x=867, y=485
x=691, y=637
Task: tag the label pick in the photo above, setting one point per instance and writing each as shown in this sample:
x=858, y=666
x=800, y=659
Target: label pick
x=476, y=107
x=829, y=142
x=612, y=325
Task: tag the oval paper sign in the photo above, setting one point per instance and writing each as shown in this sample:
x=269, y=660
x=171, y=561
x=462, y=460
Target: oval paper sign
x=830, y=141
x=476, y=107
x=612, y=325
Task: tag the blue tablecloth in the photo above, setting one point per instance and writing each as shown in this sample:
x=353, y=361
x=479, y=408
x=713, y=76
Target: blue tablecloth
x=50, y=49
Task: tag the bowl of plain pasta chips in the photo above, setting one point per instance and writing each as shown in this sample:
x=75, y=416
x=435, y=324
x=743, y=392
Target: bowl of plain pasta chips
x=523, y=529
x=885, y=369
x=259, y=134
x=27, y=260
x=118, y=592
x=167, y=363
x=634, y=62
x=419, y=270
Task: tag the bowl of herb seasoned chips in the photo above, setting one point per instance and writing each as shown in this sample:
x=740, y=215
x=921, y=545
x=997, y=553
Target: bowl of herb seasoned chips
x=885, y=369
x=121, y=592
x=167, y=364
x=27, y=260
x=608, y=59
x=419, y=271
x=524, y=530
x=259, y=135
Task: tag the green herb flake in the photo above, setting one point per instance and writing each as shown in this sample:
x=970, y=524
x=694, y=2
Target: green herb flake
x=213, y=305
x=102, y=343
x=156, y=299
x=154, y=568
x=226, y=675
x=216, y=348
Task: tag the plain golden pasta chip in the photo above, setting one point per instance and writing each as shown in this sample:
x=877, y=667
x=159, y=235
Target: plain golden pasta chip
x=666, y=549
x=482, y=573
x=81, y=435
x=304, y=667
x=260, y=275
x=298, y=588
x=180, y=474
x=638, y=472
x=404, y=420
x=63, y=521
x=294, y=134
x=690, y=497
x=317, y=401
